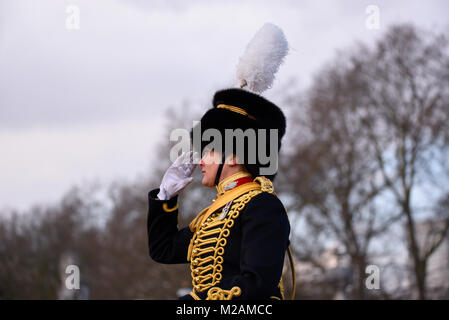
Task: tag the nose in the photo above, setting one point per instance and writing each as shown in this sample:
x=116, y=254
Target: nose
x=201, y=163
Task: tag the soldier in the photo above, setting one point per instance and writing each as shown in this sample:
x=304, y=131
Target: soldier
x=236, y=246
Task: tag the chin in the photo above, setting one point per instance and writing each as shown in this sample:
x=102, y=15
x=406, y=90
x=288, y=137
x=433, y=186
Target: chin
x=207, y=183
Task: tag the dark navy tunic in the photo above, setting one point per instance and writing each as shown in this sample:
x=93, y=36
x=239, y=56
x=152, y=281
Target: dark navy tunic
x=253, y=256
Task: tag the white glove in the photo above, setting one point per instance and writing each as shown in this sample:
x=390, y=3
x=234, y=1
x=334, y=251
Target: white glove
x=178, y=175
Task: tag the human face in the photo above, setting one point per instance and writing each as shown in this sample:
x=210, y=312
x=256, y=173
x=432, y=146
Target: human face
x=209, y=166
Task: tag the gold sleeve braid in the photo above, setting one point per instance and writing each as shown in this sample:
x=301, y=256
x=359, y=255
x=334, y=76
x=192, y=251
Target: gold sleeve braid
x=167, y=209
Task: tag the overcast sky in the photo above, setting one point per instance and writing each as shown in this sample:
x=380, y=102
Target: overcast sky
x=87, y=104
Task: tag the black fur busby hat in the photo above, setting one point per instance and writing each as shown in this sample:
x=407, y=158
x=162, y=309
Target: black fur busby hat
x=245, y=109
x=240, y=109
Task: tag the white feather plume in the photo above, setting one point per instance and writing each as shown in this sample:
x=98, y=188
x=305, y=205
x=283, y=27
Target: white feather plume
x=262, y=58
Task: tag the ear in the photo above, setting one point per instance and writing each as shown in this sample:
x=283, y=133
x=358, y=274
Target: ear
x=232, y=160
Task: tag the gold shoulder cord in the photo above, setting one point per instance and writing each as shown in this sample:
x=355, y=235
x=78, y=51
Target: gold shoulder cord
x=208, y=242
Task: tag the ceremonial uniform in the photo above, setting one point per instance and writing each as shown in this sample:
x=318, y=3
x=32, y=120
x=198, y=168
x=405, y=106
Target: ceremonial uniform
x=235, y=247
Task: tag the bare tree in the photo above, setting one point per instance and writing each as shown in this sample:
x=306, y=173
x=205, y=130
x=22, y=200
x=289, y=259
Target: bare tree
x=331, y=171
x=373, y=127
x=105, y=227
x=406, y=80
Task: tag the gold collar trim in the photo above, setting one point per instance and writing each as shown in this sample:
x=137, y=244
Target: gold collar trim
x=221, y=188
x=221, y=201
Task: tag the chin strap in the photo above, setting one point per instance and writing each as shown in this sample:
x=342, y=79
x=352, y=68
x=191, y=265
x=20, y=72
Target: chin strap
x=220, y=168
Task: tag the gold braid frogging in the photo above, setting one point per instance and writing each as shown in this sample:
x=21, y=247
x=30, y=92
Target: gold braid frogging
x=202, y=281
x=206, y=271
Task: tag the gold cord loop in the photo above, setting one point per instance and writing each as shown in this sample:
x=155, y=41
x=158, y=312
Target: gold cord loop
x=220, y=294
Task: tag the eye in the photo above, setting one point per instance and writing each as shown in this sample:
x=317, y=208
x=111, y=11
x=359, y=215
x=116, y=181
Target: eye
x=207, y=151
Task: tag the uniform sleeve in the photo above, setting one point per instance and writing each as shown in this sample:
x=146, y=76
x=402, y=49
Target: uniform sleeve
x=166, y=243
x=265, y=239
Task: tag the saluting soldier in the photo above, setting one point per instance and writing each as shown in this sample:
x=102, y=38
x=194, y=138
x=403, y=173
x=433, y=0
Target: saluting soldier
x=236, y=246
